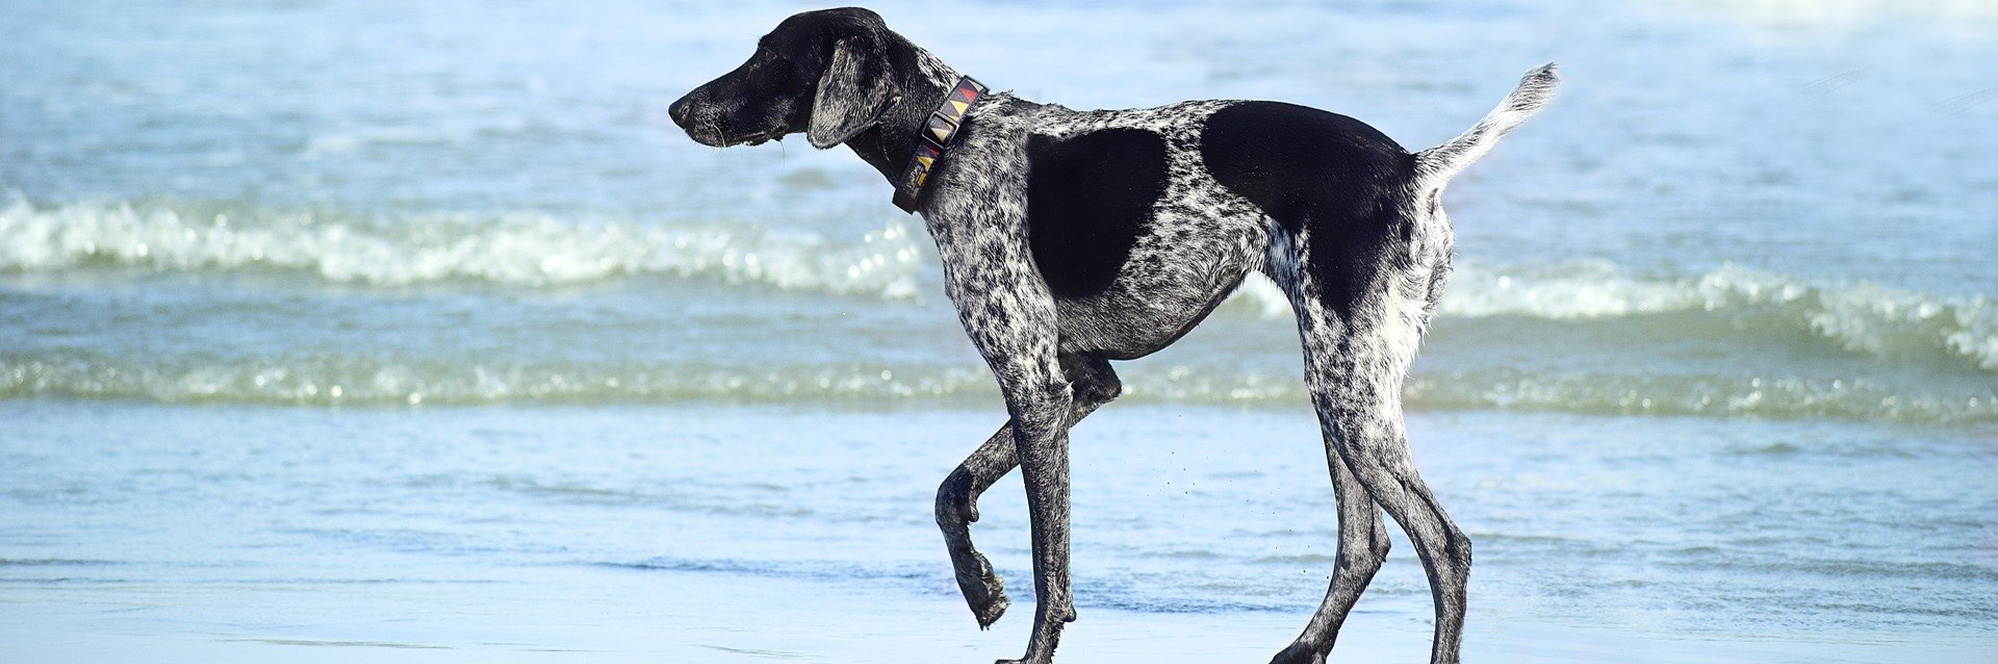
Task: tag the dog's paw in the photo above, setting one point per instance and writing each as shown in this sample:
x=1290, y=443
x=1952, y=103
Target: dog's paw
x=1299, y=653
x=1042, y=657
x=983, y=590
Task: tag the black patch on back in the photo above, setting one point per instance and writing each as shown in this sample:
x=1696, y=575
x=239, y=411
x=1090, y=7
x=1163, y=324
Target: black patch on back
x=1089, y=198
x=1304, y=166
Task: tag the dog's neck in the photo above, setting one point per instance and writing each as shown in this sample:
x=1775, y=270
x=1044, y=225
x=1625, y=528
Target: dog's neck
x=923, y=83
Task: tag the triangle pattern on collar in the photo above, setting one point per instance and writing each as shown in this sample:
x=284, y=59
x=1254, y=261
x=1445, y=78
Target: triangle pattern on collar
x=935, y=138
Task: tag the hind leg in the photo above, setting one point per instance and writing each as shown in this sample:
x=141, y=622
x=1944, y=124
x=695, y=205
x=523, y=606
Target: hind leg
x=1361, y=318
x=1094, y=384
x=1363, y=545
x=1378, y=453
x=1355, y=376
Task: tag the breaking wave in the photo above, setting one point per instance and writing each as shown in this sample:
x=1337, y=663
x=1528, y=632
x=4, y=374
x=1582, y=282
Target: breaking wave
x=516, y=249
x=1859, y=316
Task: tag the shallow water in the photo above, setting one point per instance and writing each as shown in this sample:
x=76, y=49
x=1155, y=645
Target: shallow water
x=1653, y=528
x=314, y=294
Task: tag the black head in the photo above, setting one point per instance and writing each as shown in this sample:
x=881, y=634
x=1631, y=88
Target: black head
x=822, y=72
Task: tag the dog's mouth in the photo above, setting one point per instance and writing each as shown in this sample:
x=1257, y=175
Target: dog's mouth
x=758, y=138
x=722, y=140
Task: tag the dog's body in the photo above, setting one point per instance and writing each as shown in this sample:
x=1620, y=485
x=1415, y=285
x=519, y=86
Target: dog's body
x=1072, y=238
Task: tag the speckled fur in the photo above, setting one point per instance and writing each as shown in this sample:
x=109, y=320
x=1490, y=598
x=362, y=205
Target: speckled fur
x=1050, y=355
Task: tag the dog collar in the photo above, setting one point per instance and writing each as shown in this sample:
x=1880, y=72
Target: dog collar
x=937, y=133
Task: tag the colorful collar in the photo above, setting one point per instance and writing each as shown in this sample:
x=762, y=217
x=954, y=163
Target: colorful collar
x=936, y=137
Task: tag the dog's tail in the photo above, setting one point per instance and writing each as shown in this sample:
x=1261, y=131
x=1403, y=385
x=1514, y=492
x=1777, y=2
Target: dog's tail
x=1435, y=166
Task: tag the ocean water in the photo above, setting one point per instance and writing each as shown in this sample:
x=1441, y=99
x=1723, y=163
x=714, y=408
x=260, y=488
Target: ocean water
x=310, y=296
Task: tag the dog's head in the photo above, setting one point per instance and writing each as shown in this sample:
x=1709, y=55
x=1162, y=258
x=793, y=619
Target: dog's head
x=822, y=72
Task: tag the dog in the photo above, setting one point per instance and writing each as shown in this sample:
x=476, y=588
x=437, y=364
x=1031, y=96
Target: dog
x=1070, y=239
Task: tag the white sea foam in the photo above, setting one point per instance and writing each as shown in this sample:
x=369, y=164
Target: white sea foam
x=518, y=249
x=365, y=382
x=1865, y=317
x=1860, y=316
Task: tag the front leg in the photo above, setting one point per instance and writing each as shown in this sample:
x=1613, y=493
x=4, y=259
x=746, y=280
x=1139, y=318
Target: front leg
x=1093, y=384
x=976, y=210
x=1040, y=426
x=1017, y=335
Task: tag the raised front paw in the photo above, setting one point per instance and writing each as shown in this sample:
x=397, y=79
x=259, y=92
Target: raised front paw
x=983, y=590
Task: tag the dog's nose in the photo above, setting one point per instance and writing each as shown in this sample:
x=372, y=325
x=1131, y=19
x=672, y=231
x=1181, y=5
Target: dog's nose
x=679, y=111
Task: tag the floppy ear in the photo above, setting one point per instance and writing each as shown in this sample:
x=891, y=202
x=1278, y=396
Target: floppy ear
x=853, y=91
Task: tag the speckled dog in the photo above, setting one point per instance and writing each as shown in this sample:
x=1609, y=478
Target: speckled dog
x=1073, y=238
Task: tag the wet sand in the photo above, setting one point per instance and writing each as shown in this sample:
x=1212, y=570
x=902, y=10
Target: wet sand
x=610, y=615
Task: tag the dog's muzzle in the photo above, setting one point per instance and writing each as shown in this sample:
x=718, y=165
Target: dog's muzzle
x=700, y=126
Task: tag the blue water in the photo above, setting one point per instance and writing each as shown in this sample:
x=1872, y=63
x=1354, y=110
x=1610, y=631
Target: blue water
x=1720, y=358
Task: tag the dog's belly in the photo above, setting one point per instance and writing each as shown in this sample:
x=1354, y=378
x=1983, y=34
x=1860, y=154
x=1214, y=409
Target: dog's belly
x=1125, y=328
